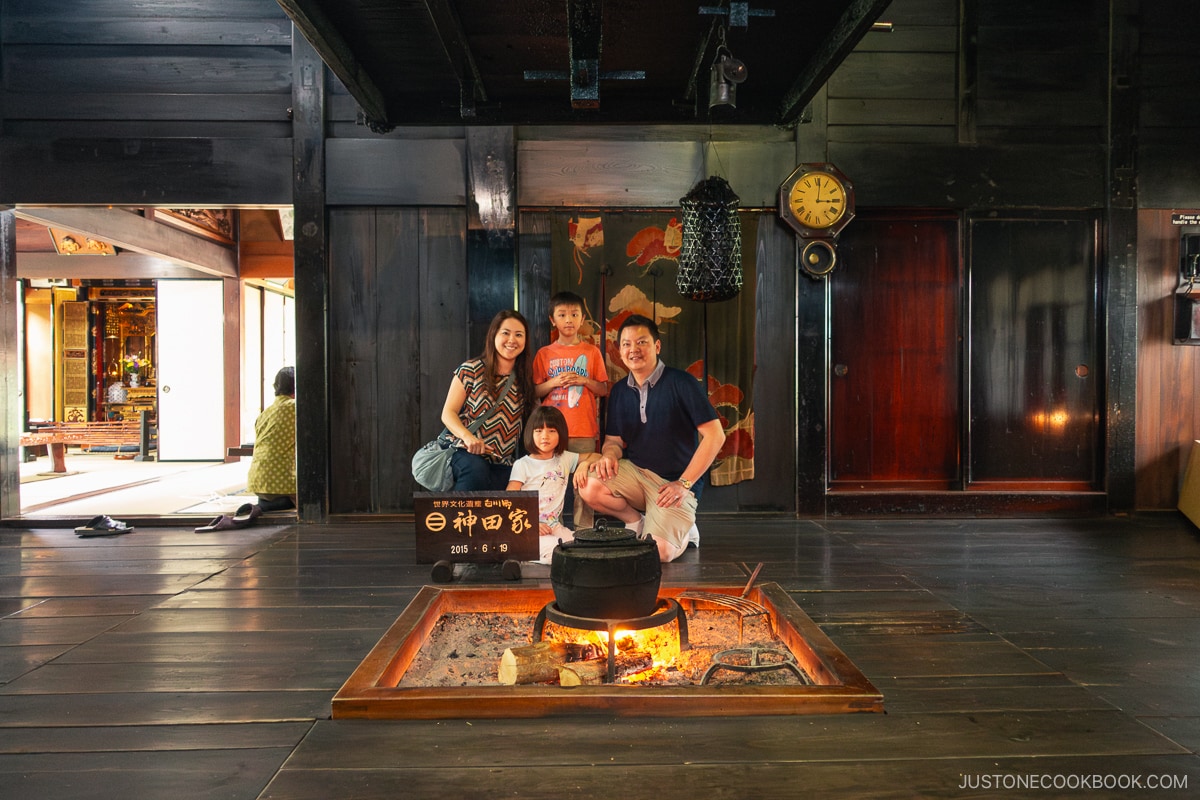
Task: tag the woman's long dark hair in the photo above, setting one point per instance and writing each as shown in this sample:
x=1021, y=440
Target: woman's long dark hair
x=522, y=368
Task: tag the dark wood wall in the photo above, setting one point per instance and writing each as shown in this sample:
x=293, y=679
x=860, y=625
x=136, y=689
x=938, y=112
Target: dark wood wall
x=967, y=108
x=157, y=102
x=1168, y=414
x=1168, y=176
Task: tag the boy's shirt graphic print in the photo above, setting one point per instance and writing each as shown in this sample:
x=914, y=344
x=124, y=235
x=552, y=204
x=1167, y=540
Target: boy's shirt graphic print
x=576, y=402
x=572, y=393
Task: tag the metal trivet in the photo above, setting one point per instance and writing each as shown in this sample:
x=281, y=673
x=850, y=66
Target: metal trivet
x=668, y=610
x=750, y=660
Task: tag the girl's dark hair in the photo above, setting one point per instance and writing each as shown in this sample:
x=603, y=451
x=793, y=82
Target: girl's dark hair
x=522, y=369
x=546, y=417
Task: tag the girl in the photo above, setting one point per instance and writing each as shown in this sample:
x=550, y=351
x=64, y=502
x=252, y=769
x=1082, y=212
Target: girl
x=488, y=398
x=546, y=470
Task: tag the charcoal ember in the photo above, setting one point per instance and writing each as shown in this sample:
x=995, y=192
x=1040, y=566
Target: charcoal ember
x=464, y=649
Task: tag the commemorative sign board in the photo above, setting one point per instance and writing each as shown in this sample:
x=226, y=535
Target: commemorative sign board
x=476, y=527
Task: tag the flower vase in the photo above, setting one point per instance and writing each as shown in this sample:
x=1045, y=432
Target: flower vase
x=117, y=393
x=135, y=379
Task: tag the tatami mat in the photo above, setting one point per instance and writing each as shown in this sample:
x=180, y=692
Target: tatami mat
x=100, y=484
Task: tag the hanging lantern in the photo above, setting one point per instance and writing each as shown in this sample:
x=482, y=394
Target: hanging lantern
x=112, y=324
x=710, y=258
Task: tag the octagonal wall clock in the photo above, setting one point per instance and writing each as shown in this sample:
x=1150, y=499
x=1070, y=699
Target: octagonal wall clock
x=817, y=200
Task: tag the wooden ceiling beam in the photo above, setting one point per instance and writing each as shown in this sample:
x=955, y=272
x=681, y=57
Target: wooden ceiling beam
x=337, y=54
x=585, y=32
x=458, y=50
x=131, y=231
x=847, y=32
x=125, y=266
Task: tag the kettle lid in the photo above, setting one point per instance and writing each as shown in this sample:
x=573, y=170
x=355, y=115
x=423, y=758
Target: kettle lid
x=605, y=534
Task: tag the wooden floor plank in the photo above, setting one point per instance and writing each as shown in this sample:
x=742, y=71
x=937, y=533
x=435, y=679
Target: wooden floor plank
x=163, y=708
x=300, y=597
x=260, y=619
x=851, y=777
x=119, y=605
x=1183, y=730
x=96, y=585
x=139, y=738
x=22, y=630
x=240, y=646
x=1001, y=646
x=16, y=661
x=174, y=566
x=70, y=679
x=348, y=744
x=924, y=655
x=194, y=774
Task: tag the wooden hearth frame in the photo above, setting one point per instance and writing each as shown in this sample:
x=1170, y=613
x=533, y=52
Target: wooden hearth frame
x=371, y=692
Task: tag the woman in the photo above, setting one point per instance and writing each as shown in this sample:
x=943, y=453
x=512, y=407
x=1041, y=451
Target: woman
x=273, y=471
x=496, y=389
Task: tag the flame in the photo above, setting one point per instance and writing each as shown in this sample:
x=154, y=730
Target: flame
x=662, y=643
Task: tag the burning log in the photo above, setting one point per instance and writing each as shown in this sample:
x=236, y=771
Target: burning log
x=594, y=671
x=539, y=662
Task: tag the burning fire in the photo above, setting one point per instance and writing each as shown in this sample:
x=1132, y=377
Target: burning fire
x=661, y=644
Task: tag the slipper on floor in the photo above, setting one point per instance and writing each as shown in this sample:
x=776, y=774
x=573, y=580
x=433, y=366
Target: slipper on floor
x=102, y=526
x=246, y=514
x=221, y=523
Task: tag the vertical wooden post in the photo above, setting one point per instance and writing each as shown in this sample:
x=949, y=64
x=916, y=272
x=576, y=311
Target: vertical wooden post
x=231, y=302
x=12, y=412
x=312, y=281
x=491, y=226
x=811, y=413
x=1120, y=282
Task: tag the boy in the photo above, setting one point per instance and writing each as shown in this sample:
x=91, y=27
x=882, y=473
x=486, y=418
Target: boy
x=569, y=374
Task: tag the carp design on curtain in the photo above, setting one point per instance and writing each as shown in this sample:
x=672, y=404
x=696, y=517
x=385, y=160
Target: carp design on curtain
x=627, y=262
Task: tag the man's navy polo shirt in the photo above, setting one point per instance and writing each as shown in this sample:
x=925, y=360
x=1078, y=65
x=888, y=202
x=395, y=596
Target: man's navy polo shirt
x=675, y=407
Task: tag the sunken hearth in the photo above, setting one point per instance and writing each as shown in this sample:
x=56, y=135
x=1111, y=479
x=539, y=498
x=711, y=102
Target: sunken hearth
x=801, y=672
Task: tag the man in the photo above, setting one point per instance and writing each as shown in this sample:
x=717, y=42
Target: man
x=661, y=437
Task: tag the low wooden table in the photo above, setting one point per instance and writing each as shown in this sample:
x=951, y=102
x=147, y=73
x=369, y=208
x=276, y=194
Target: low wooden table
x=56, y=445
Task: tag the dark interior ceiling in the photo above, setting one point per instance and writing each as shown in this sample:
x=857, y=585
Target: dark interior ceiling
x=511, y=62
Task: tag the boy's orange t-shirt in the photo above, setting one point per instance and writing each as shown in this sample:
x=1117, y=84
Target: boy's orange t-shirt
x=577, y=403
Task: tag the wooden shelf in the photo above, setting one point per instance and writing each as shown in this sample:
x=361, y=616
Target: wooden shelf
x=138, y=399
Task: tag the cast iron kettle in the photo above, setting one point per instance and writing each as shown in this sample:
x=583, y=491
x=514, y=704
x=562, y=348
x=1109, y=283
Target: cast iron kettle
x=606, y=573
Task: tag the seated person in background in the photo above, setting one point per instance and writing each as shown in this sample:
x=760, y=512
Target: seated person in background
x=272, y=473
x=546, y=470
x=661, y=437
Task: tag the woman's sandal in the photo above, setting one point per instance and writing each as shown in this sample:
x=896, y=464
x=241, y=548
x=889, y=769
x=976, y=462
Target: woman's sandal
x=246, y=514
x=221, y=523
x=102, y=526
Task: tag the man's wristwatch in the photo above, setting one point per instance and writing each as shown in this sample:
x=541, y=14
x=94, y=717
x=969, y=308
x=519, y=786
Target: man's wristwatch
x=685, y=483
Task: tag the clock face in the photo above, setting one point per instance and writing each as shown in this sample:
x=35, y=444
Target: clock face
x=817, y=199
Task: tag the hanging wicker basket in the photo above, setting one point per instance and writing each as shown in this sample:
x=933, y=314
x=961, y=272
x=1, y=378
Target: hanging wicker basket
x=710, y=259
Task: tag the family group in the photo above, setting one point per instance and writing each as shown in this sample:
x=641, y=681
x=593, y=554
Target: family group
x=660, y=435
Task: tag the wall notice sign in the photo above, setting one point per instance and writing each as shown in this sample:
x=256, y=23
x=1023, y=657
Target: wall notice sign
x=1185, y=219
x=476, y=527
